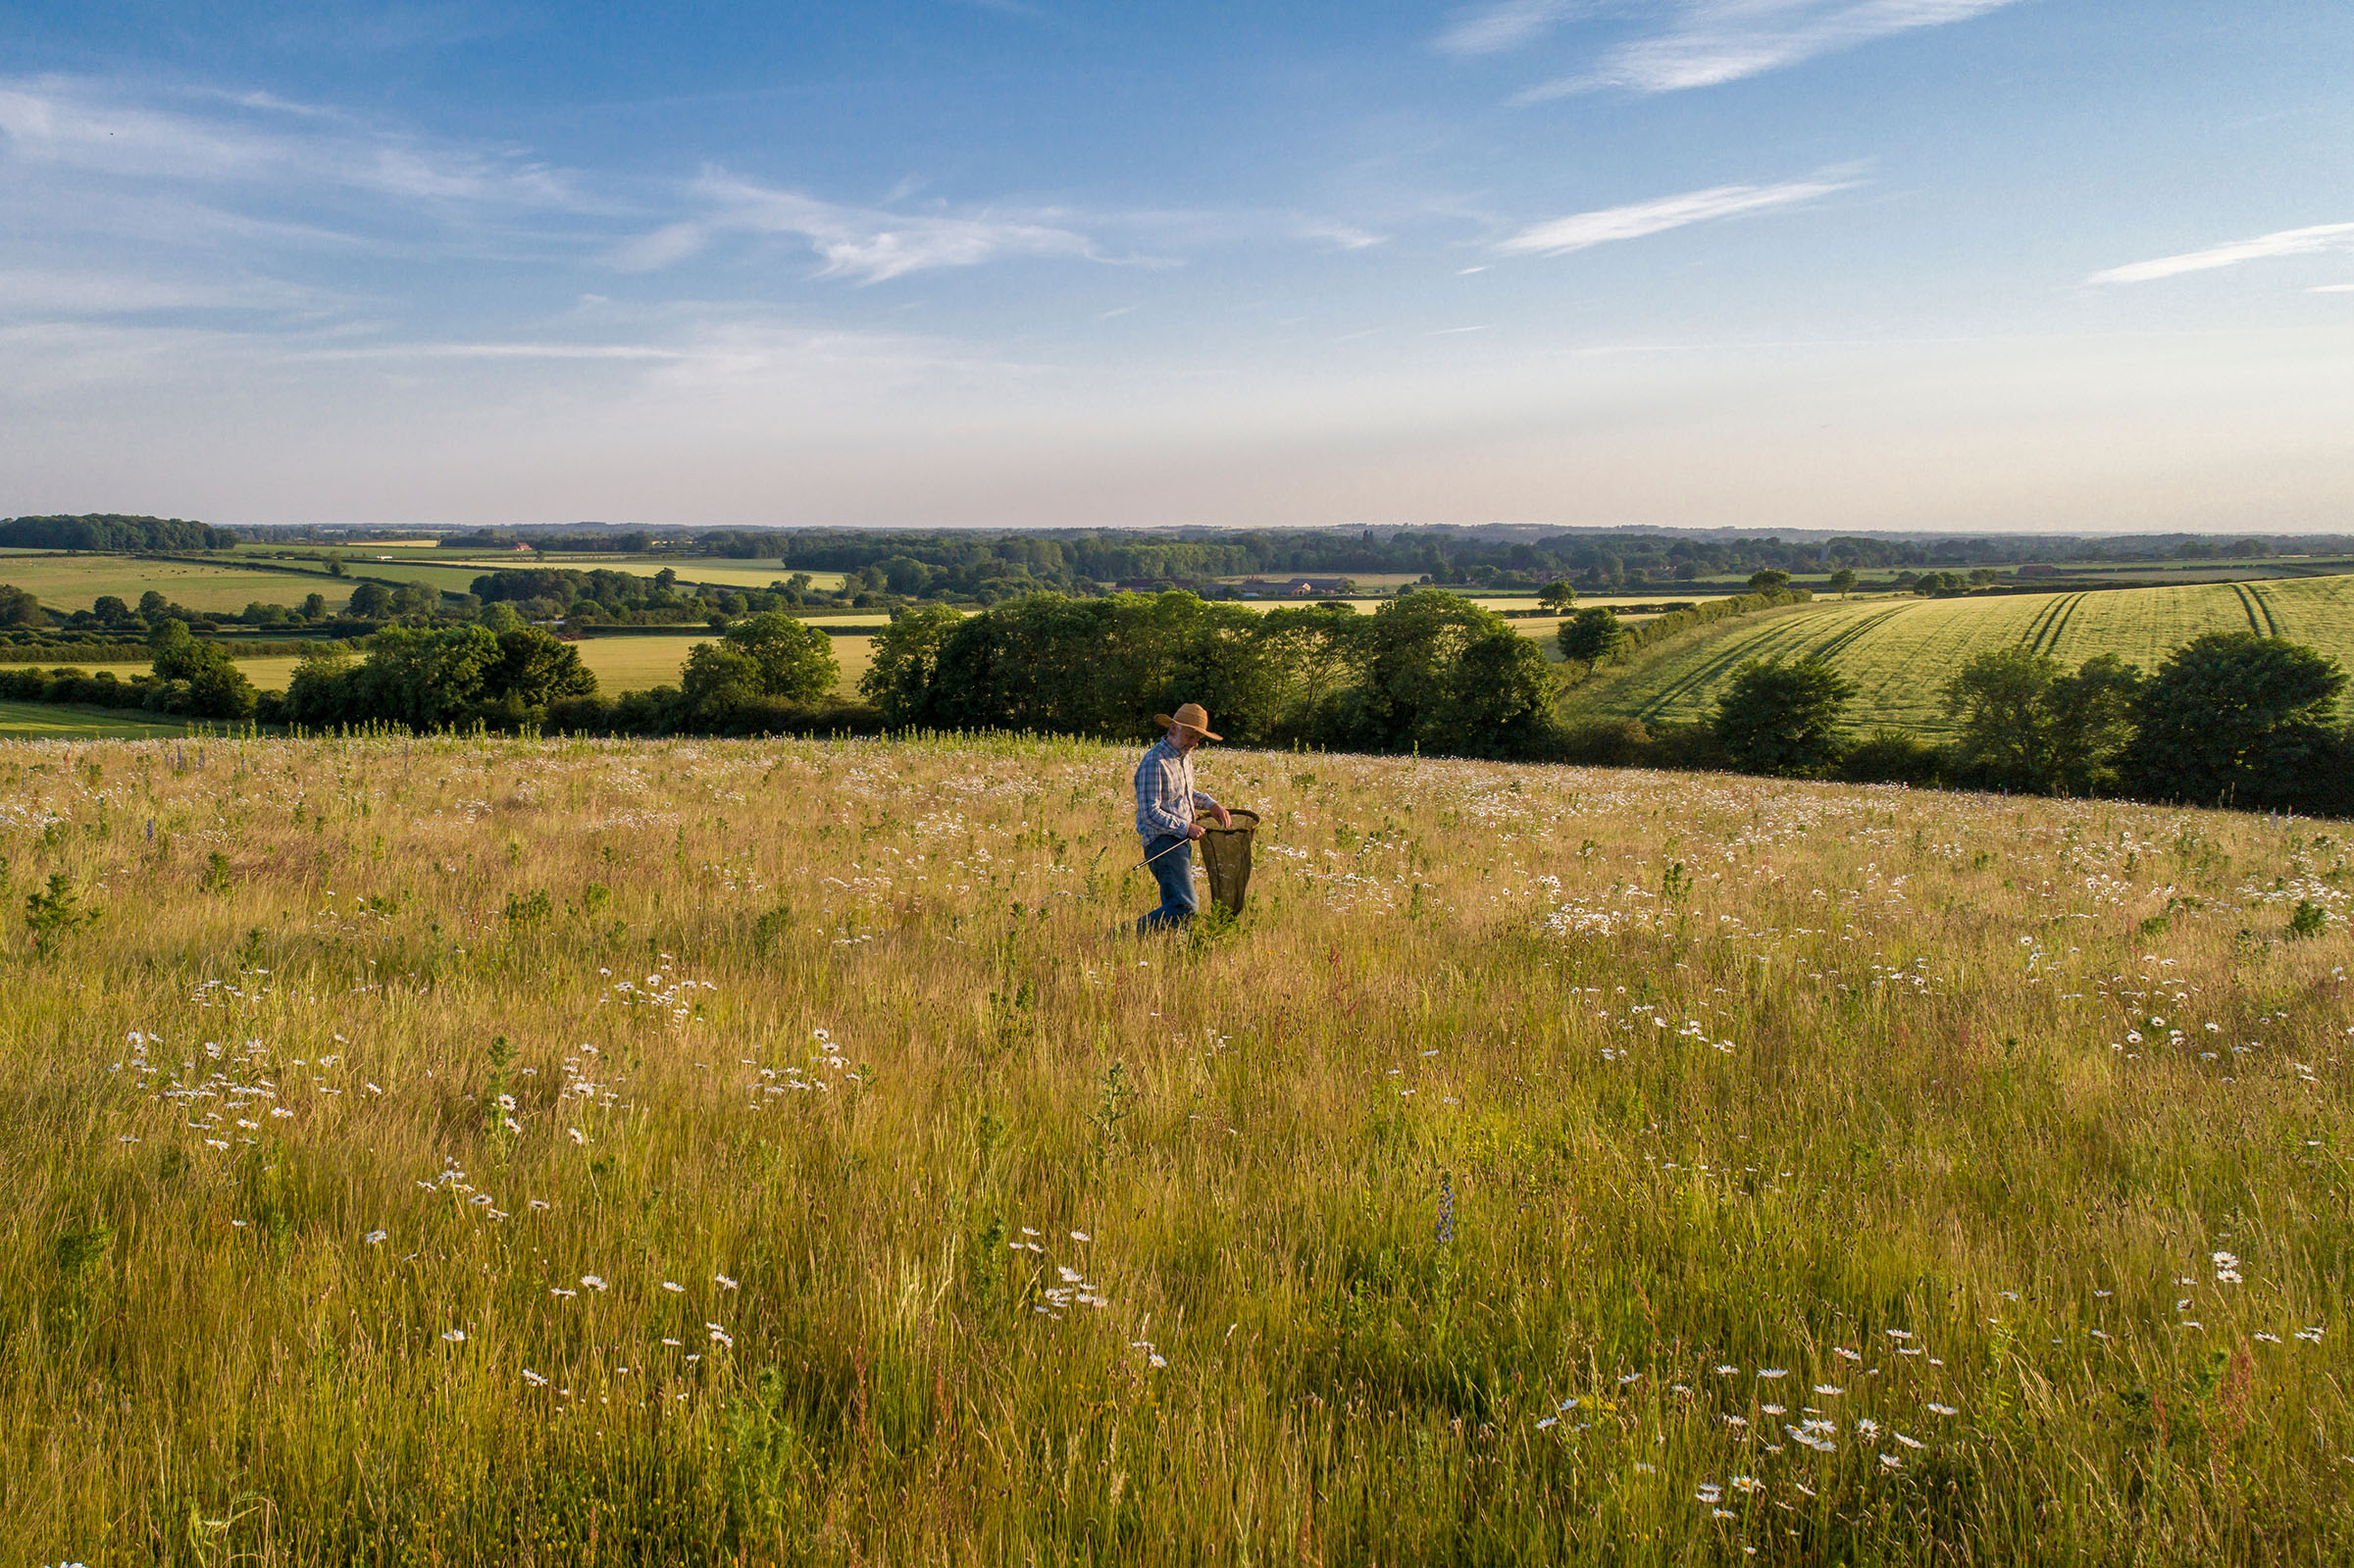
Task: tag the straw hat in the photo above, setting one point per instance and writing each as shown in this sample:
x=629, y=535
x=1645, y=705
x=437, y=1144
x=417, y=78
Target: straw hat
x=1194, y=717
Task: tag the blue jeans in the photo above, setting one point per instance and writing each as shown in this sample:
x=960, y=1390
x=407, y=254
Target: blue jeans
x=1174, y=871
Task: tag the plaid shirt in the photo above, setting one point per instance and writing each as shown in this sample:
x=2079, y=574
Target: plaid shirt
x=1166, y=797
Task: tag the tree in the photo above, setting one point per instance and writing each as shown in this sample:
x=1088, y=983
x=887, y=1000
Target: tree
x=536, y=668
x=2236, y=719
x=372, y=601
x=1317, y=650
x=718, y=677
x=416, y=599
x=18, y=607
x=2002, y=701
x=194, y=678
x=1501, y=698
x=1591, y=635
x=905, y=655
x=1411, y=691
x=323, y=689
x=2028, y=725
x=425, y=678
x=1843, y=582
x=1768, y=580
x=1557, y=595
x=111, y=610
x=153, y=604
x=794, y=659
x=1782, y=718
x=2092, y=722
x=904, y=575
x=314, y=607
x=498, y=617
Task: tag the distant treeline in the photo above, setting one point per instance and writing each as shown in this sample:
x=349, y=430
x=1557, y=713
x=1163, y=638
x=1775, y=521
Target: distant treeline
x=106, y=530
x=630, y=544
x=963, y=565
x=602, y=596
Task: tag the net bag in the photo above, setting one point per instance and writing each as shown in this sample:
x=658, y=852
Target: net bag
x=1226, y=853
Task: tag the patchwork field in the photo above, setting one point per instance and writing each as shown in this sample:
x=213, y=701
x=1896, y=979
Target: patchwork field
x=1900, y=652
x=725, y=572
x=745, y=1152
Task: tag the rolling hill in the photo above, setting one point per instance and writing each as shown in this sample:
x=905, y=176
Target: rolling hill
x=1901, y=653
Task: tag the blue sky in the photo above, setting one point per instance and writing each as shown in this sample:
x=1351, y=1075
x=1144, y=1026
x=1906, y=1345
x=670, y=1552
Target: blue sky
x=1990, y=263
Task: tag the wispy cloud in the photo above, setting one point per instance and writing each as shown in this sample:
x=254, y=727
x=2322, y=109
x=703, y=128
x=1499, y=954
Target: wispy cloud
x=1560, y=237
x=1709, y=42
x=1492, y=28
x=92, y=291
x=80, y=127
x=2263, y=247
x=864, y=243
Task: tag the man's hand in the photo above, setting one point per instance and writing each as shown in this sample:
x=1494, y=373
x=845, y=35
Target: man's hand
x=1194, y=830
x=1225, y=818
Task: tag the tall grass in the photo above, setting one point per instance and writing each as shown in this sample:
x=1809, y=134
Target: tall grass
x=814, y=1173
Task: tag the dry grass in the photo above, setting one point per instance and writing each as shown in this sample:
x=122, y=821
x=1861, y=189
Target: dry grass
x=1516, y=1087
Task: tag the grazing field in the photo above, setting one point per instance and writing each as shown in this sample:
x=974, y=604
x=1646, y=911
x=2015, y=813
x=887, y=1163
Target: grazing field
x=688, y=1152
x=73, y=581
x=1901, y=653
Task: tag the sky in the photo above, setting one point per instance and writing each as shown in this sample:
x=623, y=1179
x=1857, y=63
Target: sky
x=2046, y=265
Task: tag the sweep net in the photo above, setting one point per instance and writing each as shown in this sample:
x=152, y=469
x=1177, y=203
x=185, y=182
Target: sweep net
x=1226, y=852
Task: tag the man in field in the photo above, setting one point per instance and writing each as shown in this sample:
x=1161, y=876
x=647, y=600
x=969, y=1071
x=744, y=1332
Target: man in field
x=1165, y=803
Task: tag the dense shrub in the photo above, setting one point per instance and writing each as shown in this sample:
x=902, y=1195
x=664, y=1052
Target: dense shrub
x=1783, y=717
x=2236, y=719
x=1893, y=756
x=2030, y=726
x=1608, y=741
x=196, y=680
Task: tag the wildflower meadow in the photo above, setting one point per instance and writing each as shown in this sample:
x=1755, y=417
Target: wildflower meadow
x=574, y=1152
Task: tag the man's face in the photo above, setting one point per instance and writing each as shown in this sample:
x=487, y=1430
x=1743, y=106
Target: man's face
x=1182, y=739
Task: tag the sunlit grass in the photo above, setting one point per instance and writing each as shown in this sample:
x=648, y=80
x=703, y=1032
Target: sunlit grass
x=675, y=1152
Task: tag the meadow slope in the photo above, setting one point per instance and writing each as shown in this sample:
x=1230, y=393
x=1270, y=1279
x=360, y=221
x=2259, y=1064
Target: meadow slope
x=767, y=1151
x=1900, y=652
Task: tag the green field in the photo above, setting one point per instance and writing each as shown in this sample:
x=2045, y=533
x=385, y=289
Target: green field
x=73, y=581
x=620, y=664
x=43, y=721
x=1900, y=652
